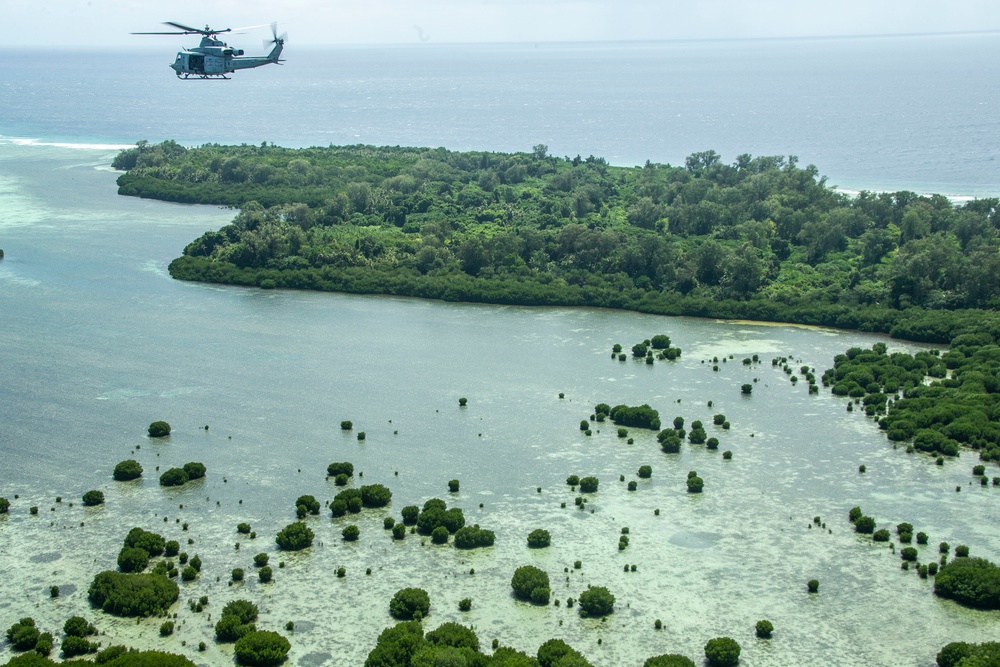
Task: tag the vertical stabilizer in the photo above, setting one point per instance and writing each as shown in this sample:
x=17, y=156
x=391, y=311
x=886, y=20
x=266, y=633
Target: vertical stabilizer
x=279, y=43
x=276, y=51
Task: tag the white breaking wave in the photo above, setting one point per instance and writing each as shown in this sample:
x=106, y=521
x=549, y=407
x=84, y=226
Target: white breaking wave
x=954, y=199
x=60, y=144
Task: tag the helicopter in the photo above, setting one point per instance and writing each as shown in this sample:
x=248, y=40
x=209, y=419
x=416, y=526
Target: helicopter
x=213, y=58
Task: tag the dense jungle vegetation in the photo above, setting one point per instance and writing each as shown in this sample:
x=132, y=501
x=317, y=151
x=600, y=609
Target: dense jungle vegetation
x=938, y=402
x=760, y=238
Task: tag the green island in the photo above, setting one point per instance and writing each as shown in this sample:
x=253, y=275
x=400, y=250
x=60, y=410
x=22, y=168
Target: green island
x=759, y=239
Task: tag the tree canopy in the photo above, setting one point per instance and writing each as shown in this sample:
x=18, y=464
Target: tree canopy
x=759, y=238
x=237, y=619
x=529, y=582
x=133, y=594
x=972, y=581
x=158, y=429
x=127, y=470
x=948, y=400
x=261, y=648
x=596, y=601
x=474, y=537
x=722, y=652
x=410, y=603
x=294, y=537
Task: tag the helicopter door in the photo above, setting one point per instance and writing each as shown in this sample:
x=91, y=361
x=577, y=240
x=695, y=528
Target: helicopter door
x=213, y=65
x=196, y=64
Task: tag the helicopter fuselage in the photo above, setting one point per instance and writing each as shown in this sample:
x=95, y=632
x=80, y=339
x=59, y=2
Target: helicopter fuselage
x=213, y=58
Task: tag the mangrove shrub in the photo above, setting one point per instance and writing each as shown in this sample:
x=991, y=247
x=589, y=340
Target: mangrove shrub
x=127, y=470
x=23, y=635
x=375, y=495
x=669, y=660
x=153, y=543
x=454, y=635
x=194, y=470
x=78, y=626
x=961, y=654
x=722, y=652
x=641, y=416
x=310, y=504
x=434, y=515
x=93, y=497
x=132, y=594
x=408, y=603
x=670, y=441
x=294, y=537
x=974, y=582
x=237, y=619
x=410, y=514
x=132, y=559
x=539, y=538
x=261, y=648
x=158, y=429
x=473, y=537
x=556, y=653
x=343, y=468
x=596, y=601
x=73, y=645
x=174, y=477
x=865, y=525
x=526, y=580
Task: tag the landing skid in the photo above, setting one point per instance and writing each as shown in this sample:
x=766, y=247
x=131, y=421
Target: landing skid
x=186, y=76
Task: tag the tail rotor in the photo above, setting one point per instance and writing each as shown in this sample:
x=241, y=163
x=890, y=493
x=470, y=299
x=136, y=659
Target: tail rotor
x=276, y=39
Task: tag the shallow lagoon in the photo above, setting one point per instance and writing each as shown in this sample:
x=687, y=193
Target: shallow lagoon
x=98, y=342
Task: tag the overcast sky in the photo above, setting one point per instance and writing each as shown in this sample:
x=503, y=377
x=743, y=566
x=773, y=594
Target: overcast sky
x=107, y=23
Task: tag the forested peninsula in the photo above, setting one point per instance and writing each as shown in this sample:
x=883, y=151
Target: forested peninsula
x=760, y=238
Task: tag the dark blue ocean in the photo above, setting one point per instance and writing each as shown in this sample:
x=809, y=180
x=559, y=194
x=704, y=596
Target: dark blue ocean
x=919, y=113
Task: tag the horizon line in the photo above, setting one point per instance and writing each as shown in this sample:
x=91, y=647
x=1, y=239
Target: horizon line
x=555, y=42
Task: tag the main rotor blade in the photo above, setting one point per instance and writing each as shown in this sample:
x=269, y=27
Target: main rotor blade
x=183, y=27
x=199, y=31
x=158, y=33
x=251, y=27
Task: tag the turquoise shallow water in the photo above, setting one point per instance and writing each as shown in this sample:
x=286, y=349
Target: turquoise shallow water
x=98, y=342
